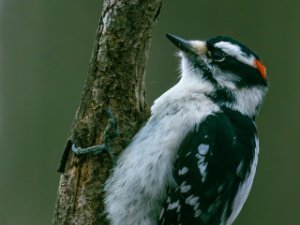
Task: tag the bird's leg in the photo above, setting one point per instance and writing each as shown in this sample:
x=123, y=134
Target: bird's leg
x=111, y=132
x=95, y=149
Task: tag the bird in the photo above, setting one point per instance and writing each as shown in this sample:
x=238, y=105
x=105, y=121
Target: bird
x=194, y=160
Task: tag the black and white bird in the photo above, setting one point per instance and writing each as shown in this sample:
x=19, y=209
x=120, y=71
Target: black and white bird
x=194, y=161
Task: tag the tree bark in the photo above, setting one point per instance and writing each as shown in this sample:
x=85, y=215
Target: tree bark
x=115, y=81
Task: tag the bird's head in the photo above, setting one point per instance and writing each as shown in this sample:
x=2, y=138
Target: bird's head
x=227, y=71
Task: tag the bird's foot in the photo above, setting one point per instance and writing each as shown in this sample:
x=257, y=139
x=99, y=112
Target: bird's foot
x=111, y=132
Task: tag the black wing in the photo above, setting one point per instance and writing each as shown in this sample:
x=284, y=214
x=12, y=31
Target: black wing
x=208, y=171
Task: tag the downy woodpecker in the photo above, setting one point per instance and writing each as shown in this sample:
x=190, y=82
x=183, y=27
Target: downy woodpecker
x=194, y=161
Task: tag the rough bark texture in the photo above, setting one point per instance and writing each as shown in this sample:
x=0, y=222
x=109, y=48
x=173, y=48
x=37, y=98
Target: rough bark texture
x=115, y=80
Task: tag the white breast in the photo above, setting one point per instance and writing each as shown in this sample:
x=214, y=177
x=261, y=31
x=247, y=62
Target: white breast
x=137, y=188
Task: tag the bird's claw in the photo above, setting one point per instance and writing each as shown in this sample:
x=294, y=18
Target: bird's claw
x=111, y=132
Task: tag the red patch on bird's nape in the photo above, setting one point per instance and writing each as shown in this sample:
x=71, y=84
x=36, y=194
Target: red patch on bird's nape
x=261, y=68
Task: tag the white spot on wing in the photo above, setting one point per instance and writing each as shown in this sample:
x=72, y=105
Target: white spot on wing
x=187, y=154
x=184, y=188
x=196, y=207
x=203, y=149
x=183, y=171
x=202, y=165
x=191, y=200
x=173, y=205
x=198, y=213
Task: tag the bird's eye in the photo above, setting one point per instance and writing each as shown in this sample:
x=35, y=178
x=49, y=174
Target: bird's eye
x=216, y=55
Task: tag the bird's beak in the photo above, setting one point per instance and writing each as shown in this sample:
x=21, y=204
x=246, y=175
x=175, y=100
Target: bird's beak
x=196, y=47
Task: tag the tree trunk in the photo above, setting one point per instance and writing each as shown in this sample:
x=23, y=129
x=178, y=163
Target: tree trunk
x=115, y=81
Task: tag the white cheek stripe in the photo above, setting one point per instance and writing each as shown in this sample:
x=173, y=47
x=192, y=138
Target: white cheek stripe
x=235, y=51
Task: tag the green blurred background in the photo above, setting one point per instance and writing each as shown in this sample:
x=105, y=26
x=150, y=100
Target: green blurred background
x=45, y=47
